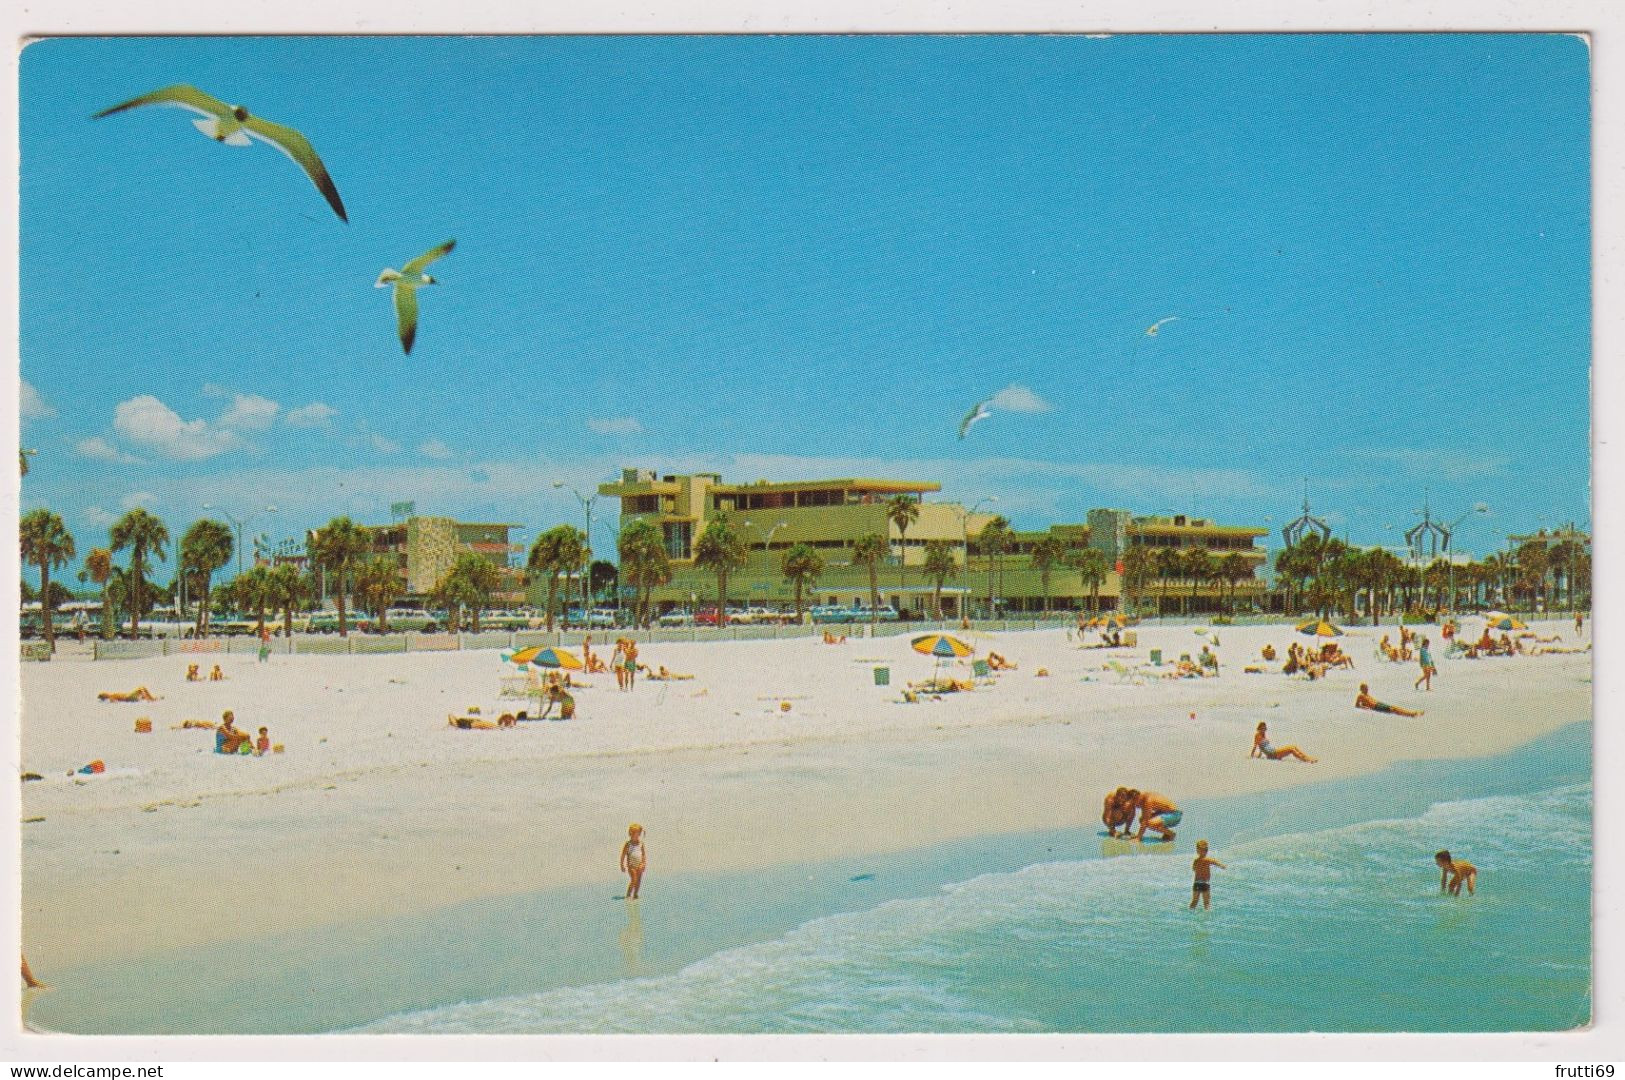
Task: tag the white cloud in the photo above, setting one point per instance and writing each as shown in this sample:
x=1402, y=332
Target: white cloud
x=1019, y=399
x=98, y=517
x=215, y=390
x=616, y=425
x=382, y=444
x=1440, y=463
x=315, y=414
x=143, y=499
x=97, y=448
x=250, y=412
x=30, y=406
x=436, y=449
x=151, y=423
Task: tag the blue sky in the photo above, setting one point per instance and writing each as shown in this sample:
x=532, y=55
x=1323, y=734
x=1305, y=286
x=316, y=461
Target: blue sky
x=804, y=257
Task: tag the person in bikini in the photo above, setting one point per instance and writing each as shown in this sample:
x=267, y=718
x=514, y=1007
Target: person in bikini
x=634, y=857
x=1364, y=700
x=1263, y=749
x=1453, y=873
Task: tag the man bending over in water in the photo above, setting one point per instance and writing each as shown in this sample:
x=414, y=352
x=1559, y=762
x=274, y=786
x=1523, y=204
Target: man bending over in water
x=1157, y=812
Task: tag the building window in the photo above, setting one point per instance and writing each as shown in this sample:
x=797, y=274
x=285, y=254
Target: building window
x=640, y=504
x=679, y=538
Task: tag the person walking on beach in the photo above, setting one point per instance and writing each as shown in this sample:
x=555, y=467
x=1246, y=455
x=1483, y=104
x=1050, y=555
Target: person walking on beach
x=265, y=644
x=634, y=857
x=1424, y=657
x=1202, y=867
x=629, y=660
x=615, y=663
x=1454, y=872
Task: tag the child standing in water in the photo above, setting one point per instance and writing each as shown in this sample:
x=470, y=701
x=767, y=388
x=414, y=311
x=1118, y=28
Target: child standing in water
x=1453, y=872
x=1202, y=866
x=634, y=857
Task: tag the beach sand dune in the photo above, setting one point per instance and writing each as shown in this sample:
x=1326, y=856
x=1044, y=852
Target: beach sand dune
x=377, y=807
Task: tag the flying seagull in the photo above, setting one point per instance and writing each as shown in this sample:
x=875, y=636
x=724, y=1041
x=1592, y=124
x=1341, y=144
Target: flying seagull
x=232, y=125
x=980, y=412
x=407, y=281
x=1152, y=331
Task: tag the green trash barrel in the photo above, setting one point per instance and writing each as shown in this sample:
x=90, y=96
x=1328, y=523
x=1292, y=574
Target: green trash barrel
x=882, y=676
x=1156, y=657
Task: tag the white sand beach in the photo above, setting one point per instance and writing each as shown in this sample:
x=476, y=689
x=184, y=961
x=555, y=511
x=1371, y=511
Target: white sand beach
x=377, y=807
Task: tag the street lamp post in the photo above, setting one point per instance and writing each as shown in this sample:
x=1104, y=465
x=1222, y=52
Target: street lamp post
x=239, y=524
x=964, y=527
x=1450, y=558
x=767, y=544
x=586, y=506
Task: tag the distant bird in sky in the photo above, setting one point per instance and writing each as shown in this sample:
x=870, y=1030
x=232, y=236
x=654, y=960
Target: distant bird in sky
x=232, y=125
x=980, y=412
x=1158, y=325
x=407, y=280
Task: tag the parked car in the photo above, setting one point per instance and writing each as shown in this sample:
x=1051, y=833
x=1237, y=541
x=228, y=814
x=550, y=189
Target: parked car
x=880, y=614
x=327, y=622
x=831, y=613
x=411, y=620
x=677, y=618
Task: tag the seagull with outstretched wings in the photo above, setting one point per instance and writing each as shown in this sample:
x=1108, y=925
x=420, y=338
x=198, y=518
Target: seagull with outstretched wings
x=234, y=126
x=1158, y=325
x=407, y=281
x=980, y=412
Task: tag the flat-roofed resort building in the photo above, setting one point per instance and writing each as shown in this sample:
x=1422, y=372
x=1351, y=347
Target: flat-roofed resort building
x=830, y=516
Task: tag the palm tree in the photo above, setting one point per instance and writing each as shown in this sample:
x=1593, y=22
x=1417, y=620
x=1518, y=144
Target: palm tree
x=994, y=540
x=47, y=544
x=253, y=590
x=1233, y=569
x=98, y=570
x=1090, y=563
x=378, y=584
x=720, y=549
x=1169, y=565
x=1048, y=554
x=939, y=567
x=902, y=511
x=1137, y=564
x=206, y=546
x=1200, y=567
x=644, y=561
x=336, y=548
x=286, y=589
x=802, y=566
x=559, y=550
x=143, y=534
x=473, y=578
x=868, y=551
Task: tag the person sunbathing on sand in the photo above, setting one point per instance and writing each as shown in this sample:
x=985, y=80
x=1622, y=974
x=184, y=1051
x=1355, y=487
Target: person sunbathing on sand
x=834, y=639
x=1364, y=700
x=1262, y=748
x=663, y=675
x=189, y=725
x=140, y=693
x=470, y=723
x=995, y=662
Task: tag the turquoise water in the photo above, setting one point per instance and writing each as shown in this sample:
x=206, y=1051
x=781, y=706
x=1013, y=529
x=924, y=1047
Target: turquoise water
x=1328, y=918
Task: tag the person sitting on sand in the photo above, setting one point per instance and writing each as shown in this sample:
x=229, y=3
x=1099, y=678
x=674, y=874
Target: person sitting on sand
x=1158, y=813
x=1486, y=642
x=1453, y=873
x=1336, y=657
x=262, y=745
x=1386, y=647
x=1118, y=811
x=995, y=662
x=1510, y=647
x=1209, y=661
x=834, y=639
x=227, y=739
x=140, y=693
x=215, y=674
x=192, y=673
x=566, y=703
x=1364, y=700
x=1262, y=748
x=1268, y=653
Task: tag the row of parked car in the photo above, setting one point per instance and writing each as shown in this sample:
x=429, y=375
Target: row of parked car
x=758, y=616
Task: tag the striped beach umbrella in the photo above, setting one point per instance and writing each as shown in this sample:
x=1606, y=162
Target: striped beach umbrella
x=1115, y=620
x=546, y=656
x=1507, y=622
x=1318, y=628
x=941, y=645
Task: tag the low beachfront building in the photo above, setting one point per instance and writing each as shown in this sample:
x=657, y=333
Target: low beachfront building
x=831, y=516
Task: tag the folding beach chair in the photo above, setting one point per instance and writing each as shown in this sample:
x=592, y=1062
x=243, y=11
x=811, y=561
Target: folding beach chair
x=980, y=671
